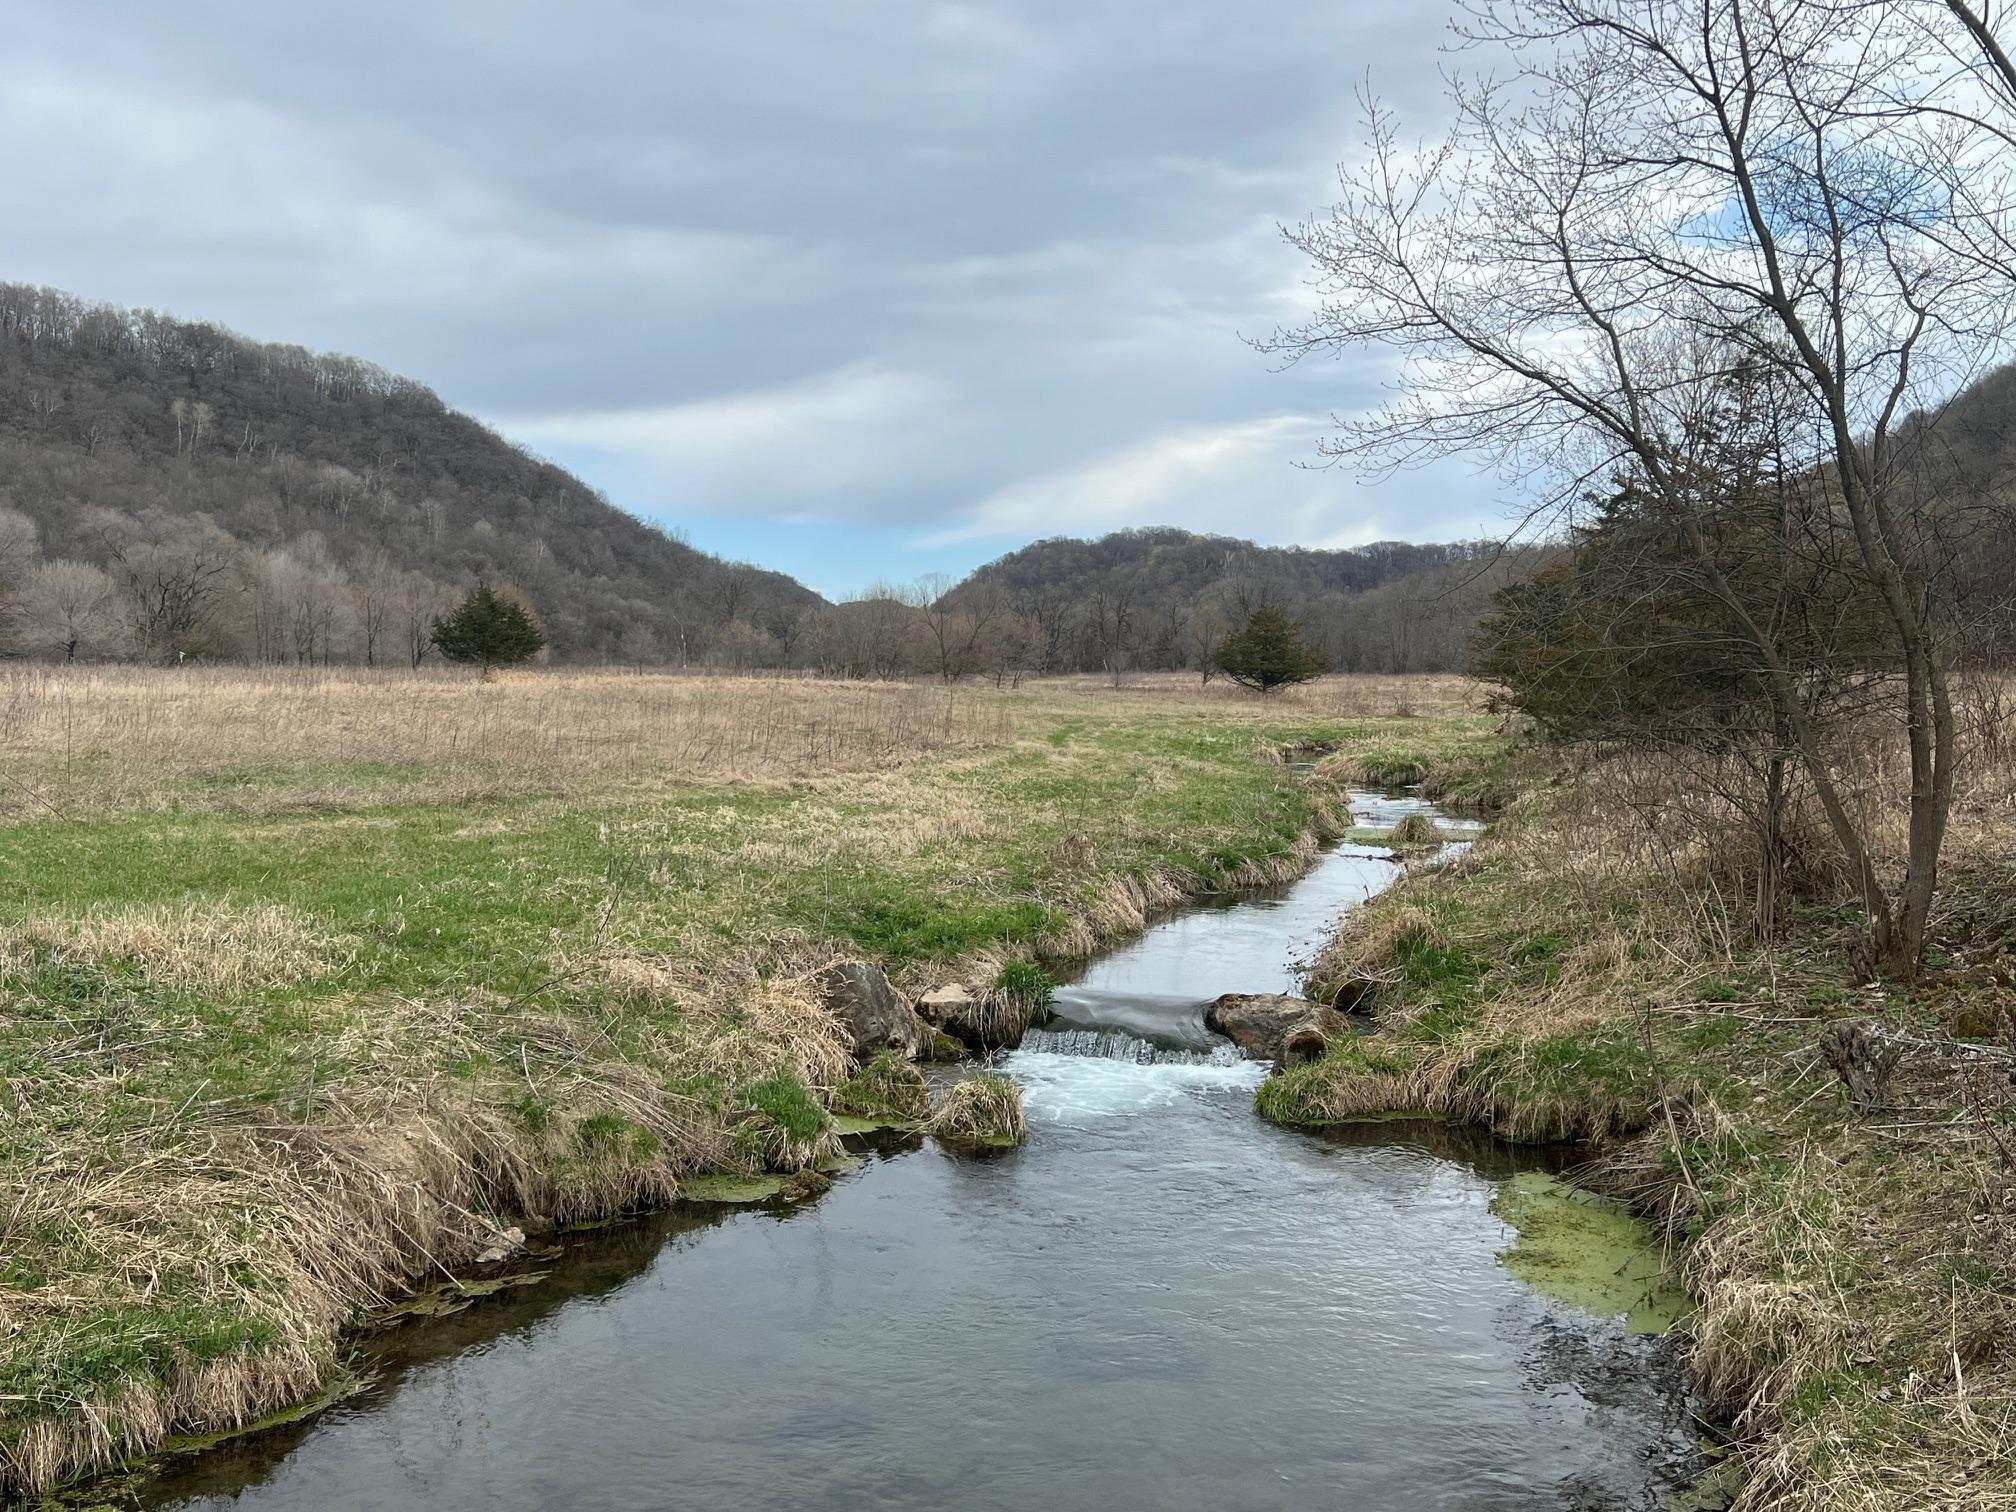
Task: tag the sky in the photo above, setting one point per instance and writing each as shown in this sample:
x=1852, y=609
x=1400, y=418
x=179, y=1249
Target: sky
x=860, y=290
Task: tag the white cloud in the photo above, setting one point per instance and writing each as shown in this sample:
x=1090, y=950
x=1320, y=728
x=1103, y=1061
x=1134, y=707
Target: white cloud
x=1240, y=479
x=1234, y=478
x=823, y=438
x=247, y=210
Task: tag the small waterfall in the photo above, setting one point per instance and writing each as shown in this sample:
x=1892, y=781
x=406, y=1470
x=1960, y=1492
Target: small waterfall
x=1075, y=1076
x=1117, y=1045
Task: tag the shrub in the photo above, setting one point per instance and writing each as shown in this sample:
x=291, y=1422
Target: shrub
x=1267, y=653
x=489, y=629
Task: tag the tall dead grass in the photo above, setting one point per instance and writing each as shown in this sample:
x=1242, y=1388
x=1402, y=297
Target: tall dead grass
x=1345, y=695
x=207, y=946
x=289, y=1221
x=279, y=738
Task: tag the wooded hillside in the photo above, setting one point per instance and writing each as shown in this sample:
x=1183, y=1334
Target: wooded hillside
x=1164, y=598
x=169, y=488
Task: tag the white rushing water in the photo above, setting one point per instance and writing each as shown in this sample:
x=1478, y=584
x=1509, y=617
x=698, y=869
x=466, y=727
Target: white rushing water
x=1100, y=1076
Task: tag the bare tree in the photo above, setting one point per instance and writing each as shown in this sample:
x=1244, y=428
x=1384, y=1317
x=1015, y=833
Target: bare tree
x=173, y=572
x=374, y=591
x=1661, y=190
x=1113, y=619
x=958, y=625
x=417, y=602
x=71, y=610
x=1209, y=625
x=20, y=550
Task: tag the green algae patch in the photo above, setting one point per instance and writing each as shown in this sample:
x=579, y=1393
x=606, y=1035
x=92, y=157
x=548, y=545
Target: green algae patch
x=195, y=1443
x=888, y=1090
x=733, y=1189
x=794, y=1186
x=1589, y=1253
x=1380, y=836
x=1715, y=1491
x=847, y=1123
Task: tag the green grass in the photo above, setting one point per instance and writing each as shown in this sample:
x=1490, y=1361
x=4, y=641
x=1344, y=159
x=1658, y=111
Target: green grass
x=438, y=944
x=1027, y=982
x=787, y=1103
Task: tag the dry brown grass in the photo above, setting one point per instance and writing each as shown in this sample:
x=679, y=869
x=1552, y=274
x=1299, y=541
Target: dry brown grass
x=358, y=1194
x=267, y=739
x=282, y=740
x=981, y=1109
x=206, y=946
x=745, y=1022
x=1345, y=695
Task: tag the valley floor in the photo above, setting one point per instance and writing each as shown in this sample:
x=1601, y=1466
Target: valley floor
x=318, y=984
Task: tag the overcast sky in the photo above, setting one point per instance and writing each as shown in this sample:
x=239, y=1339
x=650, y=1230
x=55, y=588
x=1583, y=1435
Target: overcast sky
x=856, y=290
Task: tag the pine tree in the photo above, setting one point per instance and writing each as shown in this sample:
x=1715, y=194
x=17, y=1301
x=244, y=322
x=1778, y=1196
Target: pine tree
x=489, y=629
x=1267, y=652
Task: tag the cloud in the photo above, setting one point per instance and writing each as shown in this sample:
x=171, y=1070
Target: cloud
x=1238, y=479
x=944, y=269
x=823, y=440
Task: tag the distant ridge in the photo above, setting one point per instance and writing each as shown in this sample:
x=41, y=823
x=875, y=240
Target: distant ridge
x=1157, y=598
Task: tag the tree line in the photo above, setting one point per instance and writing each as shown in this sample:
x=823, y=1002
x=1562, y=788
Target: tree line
x=1165, y=600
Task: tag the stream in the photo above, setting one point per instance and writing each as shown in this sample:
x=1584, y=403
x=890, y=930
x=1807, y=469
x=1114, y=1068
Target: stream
x=1158, y=1301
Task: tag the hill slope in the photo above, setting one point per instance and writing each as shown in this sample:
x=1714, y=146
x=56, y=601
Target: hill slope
x=263, y=501
x=1160, y=598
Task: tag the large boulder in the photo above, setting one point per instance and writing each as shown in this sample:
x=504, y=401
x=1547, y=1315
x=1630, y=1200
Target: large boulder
x=1273, y=1026
x=876, y=1018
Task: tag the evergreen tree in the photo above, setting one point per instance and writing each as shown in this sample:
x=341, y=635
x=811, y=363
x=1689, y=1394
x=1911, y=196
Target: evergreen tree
x=489, y=630
x=1267, y=652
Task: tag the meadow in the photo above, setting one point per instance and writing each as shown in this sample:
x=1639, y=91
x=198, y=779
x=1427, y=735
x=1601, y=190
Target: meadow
x=318, y=983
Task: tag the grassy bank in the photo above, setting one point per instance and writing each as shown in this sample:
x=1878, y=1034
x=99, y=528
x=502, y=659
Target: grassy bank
x=1587, y=972
x=317, y=986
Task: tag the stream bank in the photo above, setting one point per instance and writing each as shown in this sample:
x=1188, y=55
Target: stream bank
x=1587, y=972
x=1158, y=1299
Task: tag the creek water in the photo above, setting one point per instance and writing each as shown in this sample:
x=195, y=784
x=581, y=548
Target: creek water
x=1158, y=1301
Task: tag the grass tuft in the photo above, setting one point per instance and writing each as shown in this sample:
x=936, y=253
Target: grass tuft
x=985, y=1108
x=886, y=1090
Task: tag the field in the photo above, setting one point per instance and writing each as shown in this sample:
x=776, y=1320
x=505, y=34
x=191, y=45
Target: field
x=318, y=983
